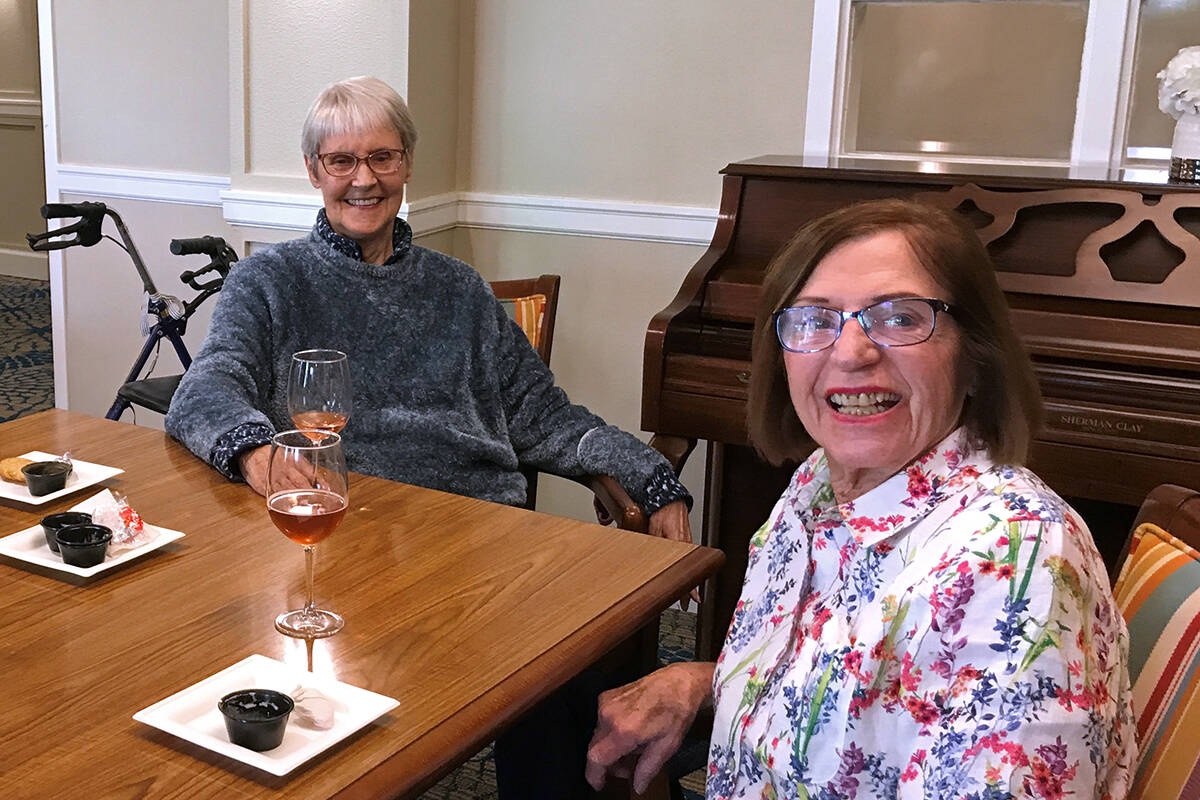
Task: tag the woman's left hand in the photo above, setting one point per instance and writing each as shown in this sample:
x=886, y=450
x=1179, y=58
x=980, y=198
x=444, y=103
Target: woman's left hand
x=641, y=724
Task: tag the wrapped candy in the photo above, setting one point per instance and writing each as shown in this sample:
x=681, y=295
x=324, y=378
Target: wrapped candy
x=313, y=709
x=114, y=512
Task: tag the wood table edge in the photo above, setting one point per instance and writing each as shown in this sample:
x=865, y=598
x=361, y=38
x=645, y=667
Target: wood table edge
x=517, y=693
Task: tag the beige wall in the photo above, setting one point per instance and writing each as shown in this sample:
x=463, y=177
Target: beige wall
x=143, y=84
x=283, y=52
x=433, y=99
x=23, y=189
x=632, y=100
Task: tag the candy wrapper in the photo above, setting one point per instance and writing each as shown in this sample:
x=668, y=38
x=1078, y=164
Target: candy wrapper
x=313, y=709
x=113, y=511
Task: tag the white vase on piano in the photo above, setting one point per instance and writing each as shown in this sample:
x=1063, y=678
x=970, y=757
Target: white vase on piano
x=1185, y=149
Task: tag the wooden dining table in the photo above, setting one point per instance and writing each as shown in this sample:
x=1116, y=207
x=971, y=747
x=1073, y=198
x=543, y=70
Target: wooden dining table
x=466, y=612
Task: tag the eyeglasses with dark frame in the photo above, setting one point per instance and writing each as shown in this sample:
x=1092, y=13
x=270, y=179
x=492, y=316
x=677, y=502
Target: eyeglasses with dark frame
x=381, y=162
x=891, y=323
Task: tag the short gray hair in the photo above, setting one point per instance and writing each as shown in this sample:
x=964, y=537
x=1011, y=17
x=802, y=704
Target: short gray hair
x=356, y=105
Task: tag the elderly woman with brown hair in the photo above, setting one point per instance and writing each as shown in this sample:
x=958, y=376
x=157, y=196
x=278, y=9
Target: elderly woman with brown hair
x=921, y=616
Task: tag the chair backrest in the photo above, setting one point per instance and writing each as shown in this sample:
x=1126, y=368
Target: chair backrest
x=533, y=303
x=1158, y=592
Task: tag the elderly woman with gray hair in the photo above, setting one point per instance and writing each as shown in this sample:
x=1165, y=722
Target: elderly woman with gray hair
x=449, y=394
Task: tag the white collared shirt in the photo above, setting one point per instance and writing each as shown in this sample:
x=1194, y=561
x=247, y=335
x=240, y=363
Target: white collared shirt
x=949, y=634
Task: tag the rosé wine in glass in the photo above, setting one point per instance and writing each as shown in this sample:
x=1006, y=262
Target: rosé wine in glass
x=306, y=516
x=307, y=497
x=319, y=390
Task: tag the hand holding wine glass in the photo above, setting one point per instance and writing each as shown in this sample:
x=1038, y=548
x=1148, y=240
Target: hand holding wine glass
x=319, y=390
x=307, y=499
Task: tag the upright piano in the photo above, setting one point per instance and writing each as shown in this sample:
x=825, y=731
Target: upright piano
x=1103, y=277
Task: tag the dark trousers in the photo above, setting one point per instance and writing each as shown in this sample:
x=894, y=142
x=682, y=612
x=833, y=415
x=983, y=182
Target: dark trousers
x=542, y=755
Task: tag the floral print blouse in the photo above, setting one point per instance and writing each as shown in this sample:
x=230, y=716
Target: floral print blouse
x=949, y=634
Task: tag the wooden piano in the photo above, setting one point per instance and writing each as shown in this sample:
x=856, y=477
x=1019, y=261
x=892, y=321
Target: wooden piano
x=1103, y=277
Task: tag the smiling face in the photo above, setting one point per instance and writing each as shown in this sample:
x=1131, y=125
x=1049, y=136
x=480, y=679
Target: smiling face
x=362, y=205
x=874, y=409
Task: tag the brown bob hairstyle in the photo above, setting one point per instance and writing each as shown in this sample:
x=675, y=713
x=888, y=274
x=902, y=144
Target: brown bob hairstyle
x=1003, y=406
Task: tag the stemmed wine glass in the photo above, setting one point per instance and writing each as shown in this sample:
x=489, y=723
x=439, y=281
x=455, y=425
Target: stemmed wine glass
x=307, y=496
x=319, y=390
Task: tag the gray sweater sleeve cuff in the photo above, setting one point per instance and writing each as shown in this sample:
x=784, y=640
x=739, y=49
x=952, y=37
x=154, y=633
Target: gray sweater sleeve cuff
x=640, y=469
x=664, y=488
x=230, y=445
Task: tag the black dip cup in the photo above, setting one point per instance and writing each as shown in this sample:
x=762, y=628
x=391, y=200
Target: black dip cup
x=83, y=545
x=53, y=523
x=44, y=477
x=256, y=718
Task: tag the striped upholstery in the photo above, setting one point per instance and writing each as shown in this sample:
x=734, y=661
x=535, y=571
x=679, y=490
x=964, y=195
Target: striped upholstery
x=1158, y=592
x=529, y=312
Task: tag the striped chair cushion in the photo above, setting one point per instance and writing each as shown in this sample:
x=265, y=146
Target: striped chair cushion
x=528, y=313
x=1158, y=592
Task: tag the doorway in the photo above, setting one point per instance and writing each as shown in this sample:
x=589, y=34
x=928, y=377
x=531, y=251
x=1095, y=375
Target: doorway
x=26, y=357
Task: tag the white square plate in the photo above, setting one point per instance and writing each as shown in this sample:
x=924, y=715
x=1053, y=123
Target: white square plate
x=83, y=475
x=192, y=714
x=30, y=546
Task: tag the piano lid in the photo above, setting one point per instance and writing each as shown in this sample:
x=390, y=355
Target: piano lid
x=1049, y=231
x=1144, y=176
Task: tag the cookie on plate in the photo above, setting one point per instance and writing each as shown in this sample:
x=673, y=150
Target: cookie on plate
x=10, y=469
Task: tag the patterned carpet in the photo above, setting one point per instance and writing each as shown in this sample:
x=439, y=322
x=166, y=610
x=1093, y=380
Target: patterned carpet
x=476, y=779
x=26, y=360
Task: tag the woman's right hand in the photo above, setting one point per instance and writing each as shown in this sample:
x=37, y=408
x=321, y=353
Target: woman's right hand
x=253, y=463
x=642, y=724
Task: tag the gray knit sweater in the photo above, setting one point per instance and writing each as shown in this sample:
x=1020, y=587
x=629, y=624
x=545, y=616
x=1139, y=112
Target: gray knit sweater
x=448, y=393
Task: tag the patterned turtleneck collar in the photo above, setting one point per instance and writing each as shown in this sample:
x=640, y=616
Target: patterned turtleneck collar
x=401, y=239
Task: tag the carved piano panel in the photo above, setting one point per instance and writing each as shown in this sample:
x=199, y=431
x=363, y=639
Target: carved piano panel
x=1103, y=278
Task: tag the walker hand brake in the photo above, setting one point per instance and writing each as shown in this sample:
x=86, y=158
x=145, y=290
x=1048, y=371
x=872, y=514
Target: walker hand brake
x=87, y=229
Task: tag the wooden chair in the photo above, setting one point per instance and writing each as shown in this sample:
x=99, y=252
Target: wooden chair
x=541, y=334
x=1158, y=592
x=533, y=303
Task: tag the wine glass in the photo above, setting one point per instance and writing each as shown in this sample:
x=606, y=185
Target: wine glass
x=307, y=496
x=319, y=390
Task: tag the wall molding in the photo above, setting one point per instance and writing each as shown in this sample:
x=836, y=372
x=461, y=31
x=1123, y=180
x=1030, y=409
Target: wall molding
x=277, y=210
x=577, y=216
x=567, y=216
x=20, y=107
x=171, y=187
x=439, y=212
x=20, y=262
